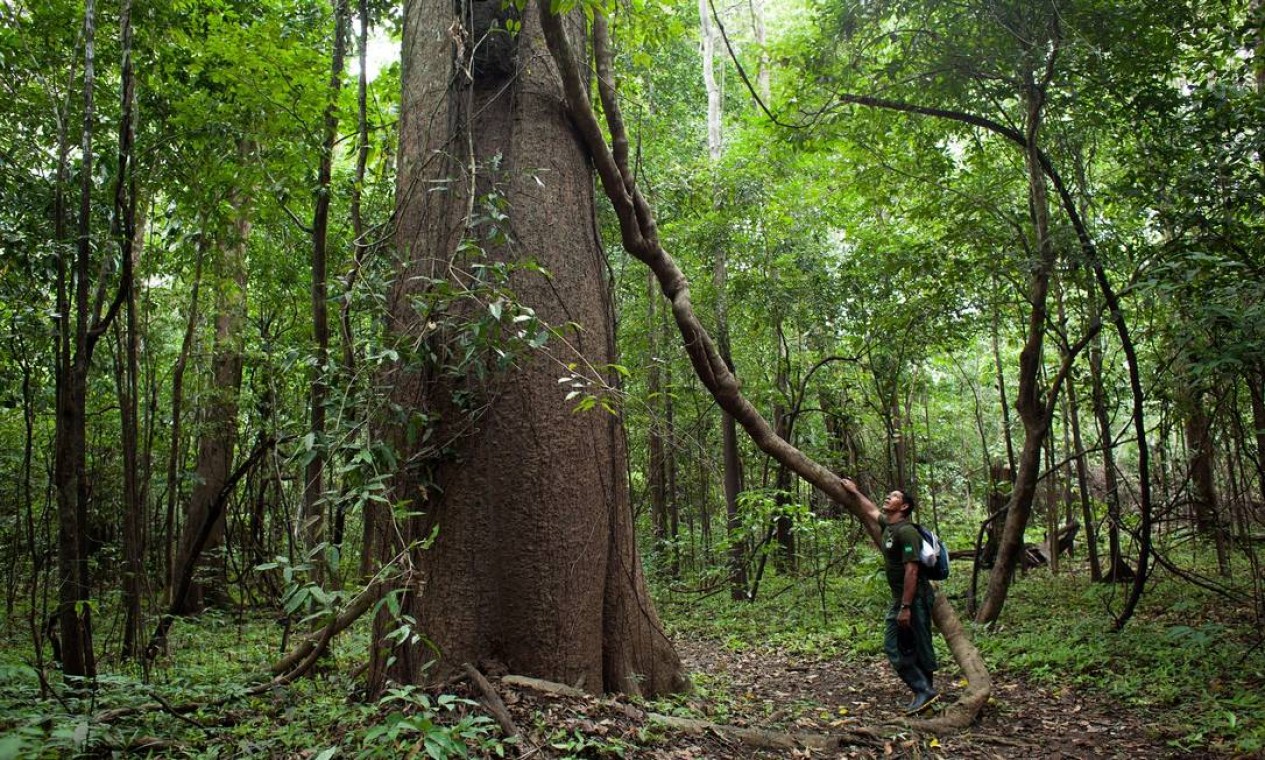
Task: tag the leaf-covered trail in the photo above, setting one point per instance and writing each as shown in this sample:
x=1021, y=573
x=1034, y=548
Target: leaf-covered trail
x=1021, y=720
x=772, y=691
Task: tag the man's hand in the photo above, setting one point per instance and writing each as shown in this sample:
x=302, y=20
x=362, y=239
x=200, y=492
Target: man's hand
x=905, y=618
x=849, y=485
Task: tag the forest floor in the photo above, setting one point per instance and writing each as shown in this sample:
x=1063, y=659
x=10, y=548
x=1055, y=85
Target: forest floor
x=773, y=691
x=1185, y=679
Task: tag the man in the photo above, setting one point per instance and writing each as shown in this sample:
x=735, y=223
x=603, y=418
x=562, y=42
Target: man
x=907, y=638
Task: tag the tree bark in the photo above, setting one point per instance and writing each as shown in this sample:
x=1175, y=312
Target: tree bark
x=534, y=562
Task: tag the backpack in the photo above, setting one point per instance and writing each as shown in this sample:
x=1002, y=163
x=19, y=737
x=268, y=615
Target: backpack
x=934, y=555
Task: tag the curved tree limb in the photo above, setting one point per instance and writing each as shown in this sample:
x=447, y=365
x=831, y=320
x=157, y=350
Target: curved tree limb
x=337, y=624
x=640, y=239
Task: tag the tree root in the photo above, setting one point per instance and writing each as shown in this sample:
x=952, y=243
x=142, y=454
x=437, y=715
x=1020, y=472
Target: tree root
x=763, y=738
x=491, y=700
x=876, y=736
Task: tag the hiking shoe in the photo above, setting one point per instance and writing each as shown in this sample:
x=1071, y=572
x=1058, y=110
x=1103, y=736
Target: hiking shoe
x=921, y=701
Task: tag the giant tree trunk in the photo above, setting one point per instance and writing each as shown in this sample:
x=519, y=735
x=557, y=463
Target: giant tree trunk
x=534, y=562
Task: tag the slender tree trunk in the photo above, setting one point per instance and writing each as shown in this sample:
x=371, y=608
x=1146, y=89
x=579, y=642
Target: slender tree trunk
x=1117, y=568
x=359, y=248
x=1030, y=402
x=1082, y=485
x=1202, y=468
x=176, y=449
x=1001, y=393
x=314, y=475
x=670, y=461
x=534, y=563
x=763, y=73
x=731, y=460
x=1052, y=503
x=657, y=475
x=840, y=429
x=218, y=436
x=898, y=441
x=75, y=356
x=125, y=231
x=34, y=614
x=783, y=424
x=1255, y=380
x=1256, y=372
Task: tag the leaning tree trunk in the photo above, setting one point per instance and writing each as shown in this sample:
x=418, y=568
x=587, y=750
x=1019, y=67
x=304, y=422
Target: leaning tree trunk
x=639, y=235
x=533, y=563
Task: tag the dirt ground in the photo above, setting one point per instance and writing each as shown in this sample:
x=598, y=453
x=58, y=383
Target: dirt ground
x=768, y=691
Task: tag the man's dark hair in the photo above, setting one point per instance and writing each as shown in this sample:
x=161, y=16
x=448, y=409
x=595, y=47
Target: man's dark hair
x=908, y=498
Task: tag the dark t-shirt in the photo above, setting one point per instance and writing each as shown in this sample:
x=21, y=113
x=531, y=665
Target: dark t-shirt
x=901, y=543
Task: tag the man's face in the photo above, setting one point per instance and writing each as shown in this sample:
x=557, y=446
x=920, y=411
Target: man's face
x=894, y=504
